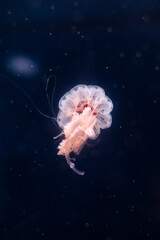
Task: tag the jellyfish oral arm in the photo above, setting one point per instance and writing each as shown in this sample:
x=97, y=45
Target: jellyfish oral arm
x=76, y=133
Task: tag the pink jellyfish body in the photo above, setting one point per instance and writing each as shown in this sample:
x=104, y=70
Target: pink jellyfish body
x=84, y=111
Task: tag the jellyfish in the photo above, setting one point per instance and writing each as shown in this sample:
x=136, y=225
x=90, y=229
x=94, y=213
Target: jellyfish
x=83, y=112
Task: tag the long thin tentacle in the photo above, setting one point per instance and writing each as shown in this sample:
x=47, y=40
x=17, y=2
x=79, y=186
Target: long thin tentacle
x=29, y=98
x=54, y=88
x=50, y=102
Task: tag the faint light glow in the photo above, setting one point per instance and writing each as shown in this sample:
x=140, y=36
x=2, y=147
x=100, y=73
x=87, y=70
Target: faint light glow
x=21, y=65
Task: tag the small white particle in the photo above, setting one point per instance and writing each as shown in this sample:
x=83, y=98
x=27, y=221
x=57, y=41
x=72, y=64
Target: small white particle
x=86, y=224
x=76, y=3
x=146, y=18
x=109, y=29
x=121, y=54
x=52, y=7
x=138, y=54
x=157, y=67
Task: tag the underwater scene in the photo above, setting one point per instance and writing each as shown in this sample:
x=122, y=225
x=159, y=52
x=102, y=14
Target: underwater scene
x=79, y=120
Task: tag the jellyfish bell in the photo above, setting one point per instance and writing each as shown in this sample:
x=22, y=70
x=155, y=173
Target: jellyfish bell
x=83, y=112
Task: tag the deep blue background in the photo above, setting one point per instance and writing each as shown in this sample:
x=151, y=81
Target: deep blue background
x=112, y=44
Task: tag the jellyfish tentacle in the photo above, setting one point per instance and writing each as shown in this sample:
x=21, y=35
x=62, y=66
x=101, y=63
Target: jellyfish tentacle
x=62, y=133
x=69, y=161
x=72, y=165
x=73, y=159
x=78, y=171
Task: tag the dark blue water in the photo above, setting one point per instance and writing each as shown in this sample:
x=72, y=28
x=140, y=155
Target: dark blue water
x=112, y=44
